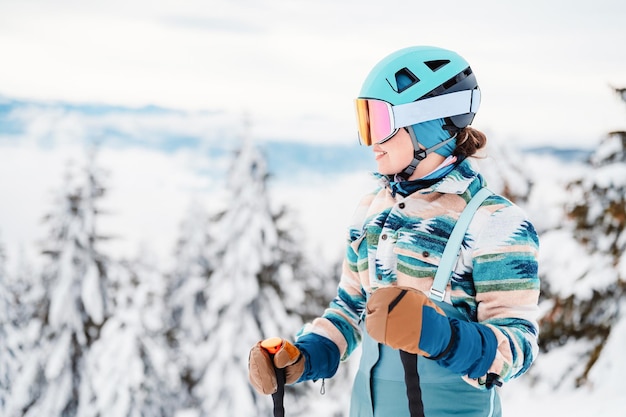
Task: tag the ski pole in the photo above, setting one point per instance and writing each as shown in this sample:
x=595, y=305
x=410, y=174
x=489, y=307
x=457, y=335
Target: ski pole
x=272, y=346
x=412, y=382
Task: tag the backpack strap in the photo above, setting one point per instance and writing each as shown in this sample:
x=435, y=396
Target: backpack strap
x=453, y=247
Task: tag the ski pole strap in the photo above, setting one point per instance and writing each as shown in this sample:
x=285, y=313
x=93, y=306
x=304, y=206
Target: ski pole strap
x=412, y=382
x=451, y=251
x=279, y=395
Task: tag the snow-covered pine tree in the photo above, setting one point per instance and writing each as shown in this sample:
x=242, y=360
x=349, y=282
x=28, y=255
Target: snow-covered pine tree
x=584, y=324
x=186, y=299
x=7, y=355
x=252, y=293
x=128, y=370
x=70, y=301
x=27, y=303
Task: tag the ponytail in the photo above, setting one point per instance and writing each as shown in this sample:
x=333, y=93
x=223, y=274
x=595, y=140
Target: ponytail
x=469, y=141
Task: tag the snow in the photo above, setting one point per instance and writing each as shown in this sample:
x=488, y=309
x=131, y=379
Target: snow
x=608, y=369
x=519, y=400
x=610, y=176
x=559, y=252
x=57, y=358
x=93, y=305
x=611, y=146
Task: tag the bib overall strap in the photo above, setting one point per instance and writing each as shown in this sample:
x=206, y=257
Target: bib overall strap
x=453, y=247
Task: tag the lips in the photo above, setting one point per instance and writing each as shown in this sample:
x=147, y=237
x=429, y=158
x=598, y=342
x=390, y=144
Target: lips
x=378, y=152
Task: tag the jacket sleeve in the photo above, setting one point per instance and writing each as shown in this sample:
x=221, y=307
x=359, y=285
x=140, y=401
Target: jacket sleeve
x=507, y=288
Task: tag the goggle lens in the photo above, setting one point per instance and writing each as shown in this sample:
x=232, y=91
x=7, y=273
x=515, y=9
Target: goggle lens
x=374, y=119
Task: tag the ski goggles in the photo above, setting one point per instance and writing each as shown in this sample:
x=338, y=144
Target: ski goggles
x=378, y=120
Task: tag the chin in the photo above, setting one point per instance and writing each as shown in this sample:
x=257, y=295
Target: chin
x=383, y=170
x=386, y=171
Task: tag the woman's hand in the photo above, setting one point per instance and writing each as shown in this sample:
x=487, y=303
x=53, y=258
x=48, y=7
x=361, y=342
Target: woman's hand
x=263, y=361
x=406, y=319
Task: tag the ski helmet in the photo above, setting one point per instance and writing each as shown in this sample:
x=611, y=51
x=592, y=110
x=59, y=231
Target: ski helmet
x=418, y=73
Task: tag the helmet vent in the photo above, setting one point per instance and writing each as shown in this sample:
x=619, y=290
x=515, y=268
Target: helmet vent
x=405, y=79
x=437, y=64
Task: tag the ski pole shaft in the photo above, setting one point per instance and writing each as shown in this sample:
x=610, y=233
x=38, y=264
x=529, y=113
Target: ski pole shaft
x=272, y=346
x=412, y=382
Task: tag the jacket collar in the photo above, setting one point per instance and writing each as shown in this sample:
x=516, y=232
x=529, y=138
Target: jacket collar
x=457, y=181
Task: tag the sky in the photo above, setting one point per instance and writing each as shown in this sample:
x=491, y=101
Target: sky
x=294, y=67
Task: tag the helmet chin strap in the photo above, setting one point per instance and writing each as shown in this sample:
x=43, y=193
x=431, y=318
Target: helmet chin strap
x=419, y=153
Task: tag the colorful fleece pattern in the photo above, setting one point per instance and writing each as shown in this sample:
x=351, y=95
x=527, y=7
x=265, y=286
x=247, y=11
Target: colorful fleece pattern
x=396, y=240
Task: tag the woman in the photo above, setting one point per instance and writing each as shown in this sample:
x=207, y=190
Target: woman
x=478, y=330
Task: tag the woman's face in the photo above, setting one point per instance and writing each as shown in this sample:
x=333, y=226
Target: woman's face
x=396, y=154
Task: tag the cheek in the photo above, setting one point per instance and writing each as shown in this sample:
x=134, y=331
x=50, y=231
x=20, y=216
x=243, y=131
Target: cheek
x=395, y=161
x=399, y=153
x=405, y=157
x=402, y=154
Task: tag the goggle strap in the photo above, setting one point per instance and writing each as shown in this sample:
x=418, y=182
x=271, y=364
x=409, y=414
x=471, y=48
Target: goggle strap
x=446, y=105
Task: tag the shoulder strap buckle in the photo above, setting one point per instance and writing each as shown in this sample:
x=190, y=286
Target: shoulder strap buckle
x=437, y=295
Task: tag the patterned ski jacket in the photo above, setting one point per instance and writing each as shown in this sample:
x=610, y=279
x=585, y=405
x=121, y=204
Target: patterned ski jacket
x=396, y=240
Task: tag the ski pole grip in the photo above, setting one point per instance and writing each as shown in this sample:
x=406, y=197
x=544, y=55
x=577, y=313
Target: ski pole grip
x=272, y=346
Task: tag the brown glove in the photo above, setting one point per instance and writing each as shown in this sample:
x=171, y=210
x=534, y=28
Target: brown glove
x=262, y=364
x=406, y=319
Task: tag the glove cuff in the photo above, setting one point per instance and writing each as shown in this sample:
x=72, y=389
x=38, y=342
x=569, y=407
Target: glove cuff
x=473, y=351
x=321, y=356
x=448, y=348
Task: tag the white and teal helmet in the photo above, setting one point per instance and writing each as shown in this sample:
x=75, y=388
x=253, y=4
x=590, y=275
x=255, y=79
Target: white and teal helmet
x=420, y=72
x=441, y=88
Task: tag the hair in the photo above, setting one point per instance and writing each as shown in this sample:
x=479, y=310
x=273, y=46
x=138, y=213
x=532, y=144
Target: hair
x=469, y=141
